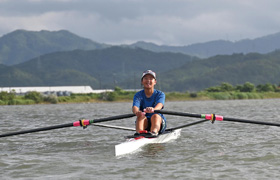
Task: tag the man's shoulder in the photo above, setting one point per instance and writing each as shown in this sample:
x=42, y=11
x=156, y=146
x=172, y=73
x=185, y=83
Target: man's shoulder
x=139, y=93
x=158, y=92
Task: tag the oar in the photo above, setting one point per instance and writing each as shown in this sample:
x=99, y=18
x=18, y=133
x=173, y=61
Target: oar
x=213, y=118
x=84, y=123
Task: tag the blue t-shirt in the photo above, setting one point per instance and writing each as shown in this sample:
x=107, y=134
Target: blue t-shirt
x=141, y=101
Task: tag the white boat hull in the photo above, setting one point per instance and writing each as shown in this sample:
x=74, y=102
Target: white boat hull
x=133, y=144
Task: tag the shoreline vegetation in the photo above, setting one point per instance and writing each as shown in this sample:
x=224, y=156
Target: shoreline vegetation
x=225, y=91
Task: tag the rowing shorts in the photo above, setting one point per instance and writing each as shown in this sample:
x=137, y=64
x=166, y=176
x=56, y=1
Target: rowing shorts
x=162, y=127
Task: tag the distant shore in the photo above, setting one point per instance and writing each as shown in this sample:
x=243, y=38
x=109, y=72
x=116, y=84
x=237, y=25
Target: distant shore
x=125, y=96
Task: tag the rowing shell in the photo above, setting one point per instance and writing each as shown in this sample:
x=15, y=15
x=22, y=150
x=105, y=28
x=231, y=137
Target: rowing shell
x=133, y=144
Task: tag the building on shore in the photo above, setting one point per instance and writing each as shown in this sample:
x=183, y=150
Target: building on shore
x=58, y=90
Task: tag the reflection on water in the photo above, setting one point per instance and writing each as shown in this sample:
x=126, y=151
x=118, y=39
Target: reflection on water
x=153, y=150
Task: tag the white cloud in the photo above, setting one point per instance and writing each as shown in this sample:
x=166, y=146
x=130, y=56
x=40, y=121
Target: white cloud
x=176, y=22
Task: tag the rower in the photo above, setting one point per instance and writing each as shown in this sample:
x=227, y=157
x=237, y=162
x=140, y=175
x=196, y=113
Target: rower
x=144, y=104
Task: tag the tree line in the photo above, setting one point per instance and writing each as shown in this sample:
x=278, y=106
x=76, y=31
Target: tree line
x=223, y=91
x=246, y=87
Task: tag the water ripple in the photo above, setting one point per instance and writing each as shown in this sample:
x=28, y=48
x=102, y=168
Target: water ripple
x=223, y=150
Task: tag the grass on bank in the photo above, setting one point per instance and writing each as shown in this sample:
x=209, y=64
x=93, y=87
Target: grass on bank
x=123, y=96
x=223, y=92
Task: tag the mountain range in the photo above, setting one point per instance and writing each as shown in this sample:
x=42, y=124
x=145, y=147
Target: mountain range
x=21, y=45
x=261, y=45
x=62, y=58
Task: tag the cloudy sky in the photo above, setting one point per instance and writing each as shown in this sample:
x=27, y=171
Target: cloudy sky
x=169, y=22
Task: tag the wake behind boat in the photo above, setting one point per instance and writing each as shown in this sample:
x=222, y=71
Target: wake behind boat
x=135, y=143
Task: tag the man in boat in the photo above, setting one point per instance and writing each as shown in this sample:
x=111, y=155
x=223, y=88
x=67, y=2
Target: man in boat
x=144, y=104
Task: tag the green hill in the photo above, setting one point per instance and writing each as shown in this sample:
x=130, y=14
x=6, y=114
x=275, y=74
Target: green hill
x=104, y=68
x=119, y=66
x=20, y=45
x=234, y=69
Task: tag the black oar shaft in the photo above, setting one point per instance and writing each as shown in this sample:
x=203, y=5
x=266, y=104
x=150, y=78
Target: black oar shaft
x=36, y=130
x=77, y=123
x=178, y=113
x=113, y=118
x=216, y=117
x=250, y=121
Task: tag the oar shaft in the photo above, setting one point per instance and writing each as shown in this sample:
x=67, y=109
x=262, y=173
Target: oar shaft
x=178, y=113
x=37, y=130
x=76, y=123
x=251, y=122
x=112, y=118
x=214, y=117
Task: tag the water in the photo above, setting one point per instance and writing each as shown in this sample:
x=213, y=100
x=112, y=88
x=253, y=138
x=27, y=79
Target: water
x=223, y=150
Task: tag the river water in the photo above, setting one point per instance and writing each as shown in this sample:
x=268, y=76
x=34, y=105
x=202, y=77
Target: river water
x=223, y=150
